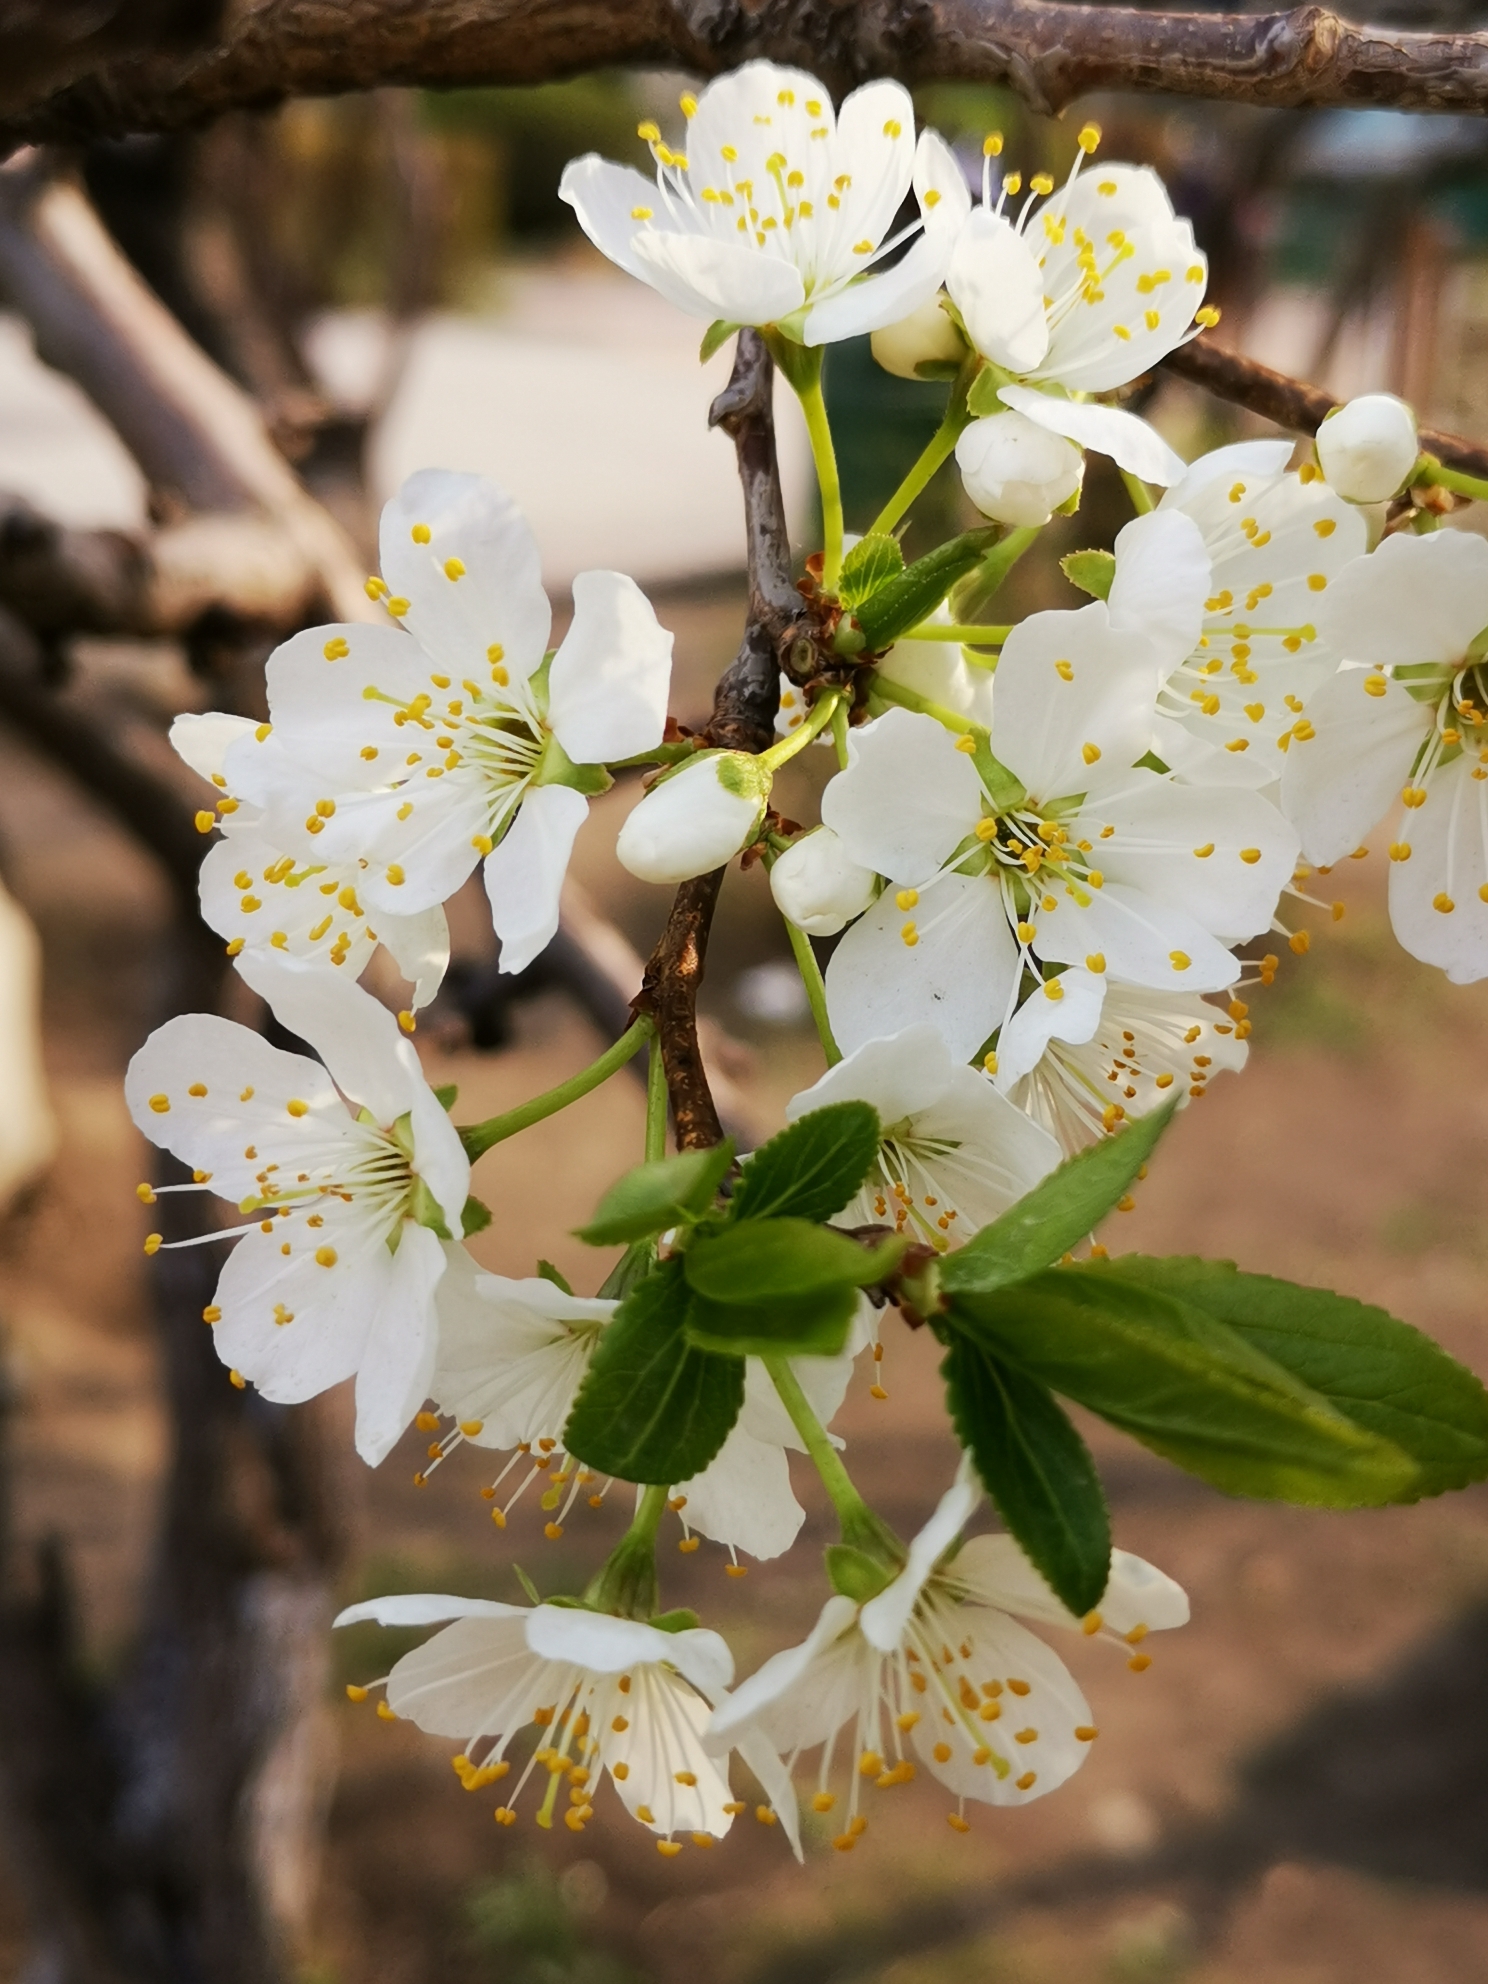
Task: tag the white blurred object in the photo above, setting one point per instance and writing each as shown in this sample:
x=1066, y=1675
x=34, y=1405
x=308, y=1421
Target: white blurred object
x=56, y=449
x=1369, y=447
x=771, y=992
x=28, y=1130
x=586, y=401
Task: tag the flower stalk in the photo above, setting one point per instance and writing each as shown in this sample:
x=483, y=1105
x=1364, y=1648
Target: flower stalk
x=478, y=1138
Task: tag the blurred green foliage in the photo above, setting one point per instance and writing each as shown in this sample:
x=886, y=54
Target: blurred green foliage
x=529, y=135
x=536, y=1926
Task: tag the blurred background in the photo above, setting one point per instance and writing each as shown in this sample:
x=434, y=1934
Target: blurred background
x=1297, y=1791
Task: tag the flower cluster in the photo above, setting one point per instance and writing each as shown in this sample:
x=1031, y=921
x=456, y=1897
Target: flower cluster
x=1049, y=861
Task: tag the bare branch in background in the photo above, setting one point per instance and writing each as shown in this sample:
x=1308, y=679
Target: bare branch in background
x=1050, y=51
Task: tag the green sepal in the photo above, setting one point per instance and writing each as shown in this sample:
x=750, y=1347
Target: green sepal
x=814, y=1325
x=812, y=1168
x=527, y=1585
x=475, y=1217
x=777, y=1260
x=718, y=333
x=651, y=1408
x=1385, y=1376
x=855, y=1574
x=425, y=1210
x=1091, y=571
x=547, y=1272
x=1037, y=1470
x=681, y=1619
x=870, y=565
x=670, y=1191
x=1060, y=1210
x=556, y=767
x=907, y=600
x=446, y=1095
x=982, y=401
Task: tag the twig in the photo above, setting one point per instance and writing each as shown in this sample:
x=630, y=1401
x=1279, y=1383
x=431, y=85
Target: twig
x=1050, y=51
x=1292, y=404
x=669, y=994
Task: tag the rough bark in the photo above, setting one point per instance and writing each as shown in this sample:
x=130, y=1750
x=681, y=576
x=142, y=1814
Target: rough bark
x=1050, y=51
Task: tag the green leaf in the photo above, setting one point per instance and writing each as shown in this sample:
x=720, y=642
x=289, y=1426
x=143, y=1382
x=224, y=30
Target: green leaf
x=672, y=1191
x=1186, y=1386
x=814, y=1325
x=811, y=1169
x=1037, y=1470
x=1379, y=1372
x=775, y=1260
x=475, y=1217
x=547, y=1272
x=653, y=1409
x=904, y=602
x=869, y=566
x=1091, y=571
x=718, y=333
x=1060, y=1210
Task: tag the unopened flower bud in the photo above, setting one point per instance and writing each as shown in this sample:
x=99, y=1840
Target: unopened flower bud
x=927, y=336
x=818, y=887
x=1369, y=447
x=1015, y=471
x=695, y=820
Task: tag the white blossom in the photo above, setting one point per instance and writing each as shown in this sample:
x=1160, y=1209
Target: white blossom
x=452, y=740
x=927, y=336
x=1016, y=471
x=604, y=1695
x=953, y=1154
x=778, y=211
x=695, y=818
x=817, y=886
x=938, y=1665
x=348, y=1174
x=1368, y=447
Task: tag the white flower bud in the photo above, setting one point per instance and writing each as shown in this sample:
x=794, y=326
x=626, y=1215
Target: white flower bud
x=818, y=887
x=924, y=337
x=1369, y=447
x=1015, y=471
x=695, y=820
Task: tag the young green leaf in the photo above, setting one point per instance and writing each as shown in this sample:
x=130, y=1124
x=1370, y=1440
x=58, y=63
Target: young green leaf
x=813, y=1168
x=868, y=567
x=1061, y=1210
x=672, y=1191
x=1091, y=571
x=904, y=602
x=653, y=1409
x=1186, y=1386
x=1376, y=1370
x=814, y=1325
x=776, y=1260
x=1037, y=1470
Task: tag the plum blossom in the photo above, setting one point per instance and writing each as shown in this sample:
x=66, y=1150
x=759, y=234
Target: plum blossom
x=817, y=886
x=605, y=1694
x=953, y=1153
x=1369, y=447
x=1405, y=716
x=778, y=211
x=452, y=739
x=938, y=1664
x=350, y=1174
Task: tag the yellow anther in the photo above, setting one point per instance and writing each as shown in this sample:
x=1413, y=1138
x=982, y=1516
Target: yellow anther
x=397, y=607
x=1316, y=581
x=325, y=1257
x=375, y=588
x=1250, y=856
x=1180, y=960
x=909, y=936
x=1444, y=903
x=1208, y=316
x=1088, y=138
x=1053, y=989
x=355, y=1693
x=1090, y=752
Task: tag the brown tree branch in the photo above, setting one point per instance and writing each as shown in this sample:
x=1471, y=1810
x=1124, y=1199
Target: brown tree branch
x=669, y=993
x=1050, y=51
x=1291, y=403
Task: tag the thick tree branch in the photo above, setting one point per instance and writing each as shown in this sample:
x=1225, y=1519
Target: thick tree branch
x=1291, y=403
x=1050, y=51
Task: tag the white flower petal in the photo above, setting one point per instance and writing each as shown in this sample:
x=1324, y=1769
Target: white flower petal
x=1338, y=783
x=744, y=1497
x=290, y=1326
x=1163, y=576
x=995, y=1571
x=203, y=742
x=248, y=898
x=668, y=1773
x=959, y=975
x=717, y=279
x=608, y=682
x=756, y=1750
x=884, y=1618
x=476, y=1678
x=1448, y=865
x=473, y=582
x=1161, y=833
x=940, y=185
x=524, y=872
x=818, y=886
x=607, y=1645
x=1258, y=459
x=824, y=1380
x=512, y=1354
x=1072, y=1016
x=1128, y=439
x=1143, y=940
x=402, y=1345
x=420, y=947
x=324, y=718
x=1074, y=701
x=358, y=1038
x=1412, y=599
x=424, y=1608
x=900, y=1076
x=417, y=839
x=907, y=798
x=603, y=196
x=880, y=299
x=996, y=284
x=771, y=1695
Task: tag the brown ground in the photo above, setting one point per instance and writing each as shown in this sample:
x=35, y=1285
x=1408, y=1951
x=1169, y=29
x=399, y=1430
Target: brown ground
x=1294, y=1794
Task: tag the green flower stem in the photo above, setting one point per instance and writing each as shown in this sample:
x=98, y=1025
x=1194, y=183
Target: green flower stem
x=982, y=637
x=839, y=733
x=823, y=712
x=1138, y=491
x=659, y=754
x=984, y=582
x=824, y=455
x=656, y=1105
x=816, y=991
x=860, y=1526
x=479, y=1137
x=882, y=691
x=1436, y=475
x=955, y=422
